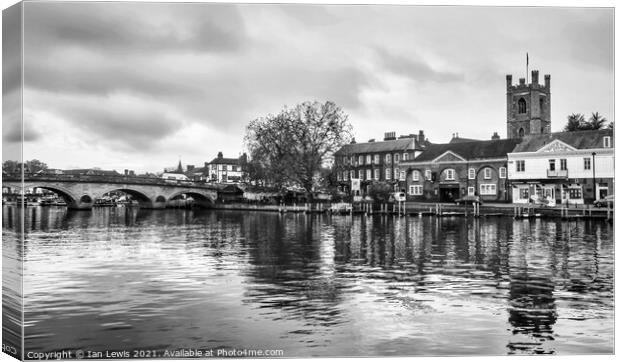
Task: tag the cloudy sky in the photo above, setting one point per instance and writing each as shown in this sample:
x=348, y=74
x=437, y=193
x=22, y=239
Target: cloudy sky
x=138, y=85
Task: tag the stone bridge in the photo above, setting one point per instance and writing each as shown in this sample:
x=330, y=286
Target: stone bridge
x=81, y=191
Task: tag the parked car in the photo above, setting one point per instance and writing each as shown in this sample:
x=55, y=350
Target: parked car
x=468, y=200
x=607, y=200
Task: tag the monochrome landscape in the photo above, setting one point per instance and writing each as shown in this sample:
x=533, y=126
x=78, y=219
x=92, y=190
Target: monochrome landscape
x=198, y=180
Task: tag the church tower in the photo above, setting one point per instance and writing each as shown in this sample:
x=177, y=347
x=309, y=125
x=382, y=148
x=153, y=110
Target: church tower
x=528, y=106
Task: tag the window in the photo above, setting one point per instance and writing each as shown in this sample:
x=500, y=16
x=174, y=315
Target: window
x=396, y=173
x=352, y=174
x=427, y=174
x=574, y=192
x=524, y=193
x=415, y=175
x=377, y=174
x=368, y=159
x=471, y=173
x=415, y=190
x=368, y=174
x=551, y=165
x=339, y=176
x=403, y=175
x=388, y=173
x=377, y=159
x=360, y=174
x=361, y=160
x=488, y=189
x=471, y=191
x=606, y=142
x=487, y=173
x=345, y=175
x=522, y=105
x=449, y=174
x=396, y=157
x=388, y=158
x=502, y=172
x=520, y=165
x=352, y=159
x=587, y=163
x=563, y=164
x=405, y=156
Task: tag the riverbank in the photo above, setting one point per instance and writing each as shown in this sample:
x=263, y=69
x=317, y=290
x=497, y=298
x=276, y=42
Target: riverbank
x=518, y=211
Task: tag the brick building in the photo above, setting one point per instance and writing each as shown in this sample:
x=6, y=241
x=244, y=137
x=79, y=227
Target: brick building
x=377, y=161
x=445, y=172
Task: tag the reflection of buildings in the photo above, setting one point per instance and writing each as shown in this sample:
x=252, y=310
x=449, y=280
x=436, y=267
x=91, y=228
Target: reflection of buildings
x=532, y=309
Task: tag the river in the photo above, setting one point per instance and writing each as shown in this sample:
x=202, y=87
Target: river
x=115, y=279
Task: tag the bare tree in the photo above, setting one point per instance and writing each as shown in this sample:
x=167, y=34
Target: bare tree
x=290, y=148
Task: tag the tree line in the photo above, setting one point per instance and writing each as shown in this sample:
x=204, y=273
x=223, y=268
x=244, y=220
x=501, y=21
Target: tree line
x=32, y=166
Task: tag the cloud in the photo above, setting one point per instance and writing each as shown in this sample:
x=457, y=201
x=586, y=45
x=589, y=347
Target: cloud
x=117, y=121
x=143, y=79
x=121, y=28
x=415, y=68
x=12, y=131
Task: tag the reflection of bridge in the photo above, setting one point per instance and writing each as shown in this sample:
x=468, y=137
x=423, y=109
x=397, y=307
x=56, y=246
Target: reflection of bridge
x=80, y=191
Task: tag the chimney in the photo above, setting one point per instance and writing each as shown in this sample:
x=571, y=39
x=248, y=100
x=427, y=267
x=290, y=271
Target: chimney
x=132, y=173
x=190, y=167
x=548, y=80
x=126, y=172
x=495, y=136
x=535, y=77
x=389, y=136
x=508, y=80
x=371, y=140
x=521, y=81
x=220, y=155
x=353, y=141
x=421, y=136
x=206, y=164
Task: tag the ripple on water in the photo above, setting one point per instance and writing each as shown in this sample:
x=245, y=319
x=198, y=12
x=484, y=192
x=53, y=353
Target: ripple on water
x=321, y=286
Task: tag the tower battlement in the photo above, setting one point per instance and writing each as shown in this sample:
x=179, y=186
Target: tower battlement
x=528, y=106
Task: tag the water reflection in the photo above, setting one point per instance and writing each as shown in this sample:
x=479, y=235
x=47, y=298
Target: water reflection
x=123, y=278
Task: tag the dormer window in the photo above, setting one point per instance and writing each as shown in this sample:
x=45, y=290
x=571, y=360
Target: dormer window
x=606, y=142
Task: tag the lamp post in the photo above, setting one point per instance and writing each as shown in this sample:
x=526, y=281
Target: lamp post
x=594, y=174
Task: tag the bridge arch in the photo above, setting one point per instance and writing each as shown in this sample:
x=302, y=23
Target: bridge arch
x=73, y=200
x=68, y=196
x=143, y=200
x=202, y=198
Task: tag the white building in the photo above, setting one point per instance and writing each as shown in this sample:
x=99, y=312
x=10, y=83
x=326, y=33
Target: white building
x=226, y=170
x=568, y=167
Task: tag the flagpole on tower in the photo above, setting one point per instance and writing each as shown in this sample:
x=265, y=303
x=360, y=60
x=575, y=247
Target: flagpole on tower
x=527, y=68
